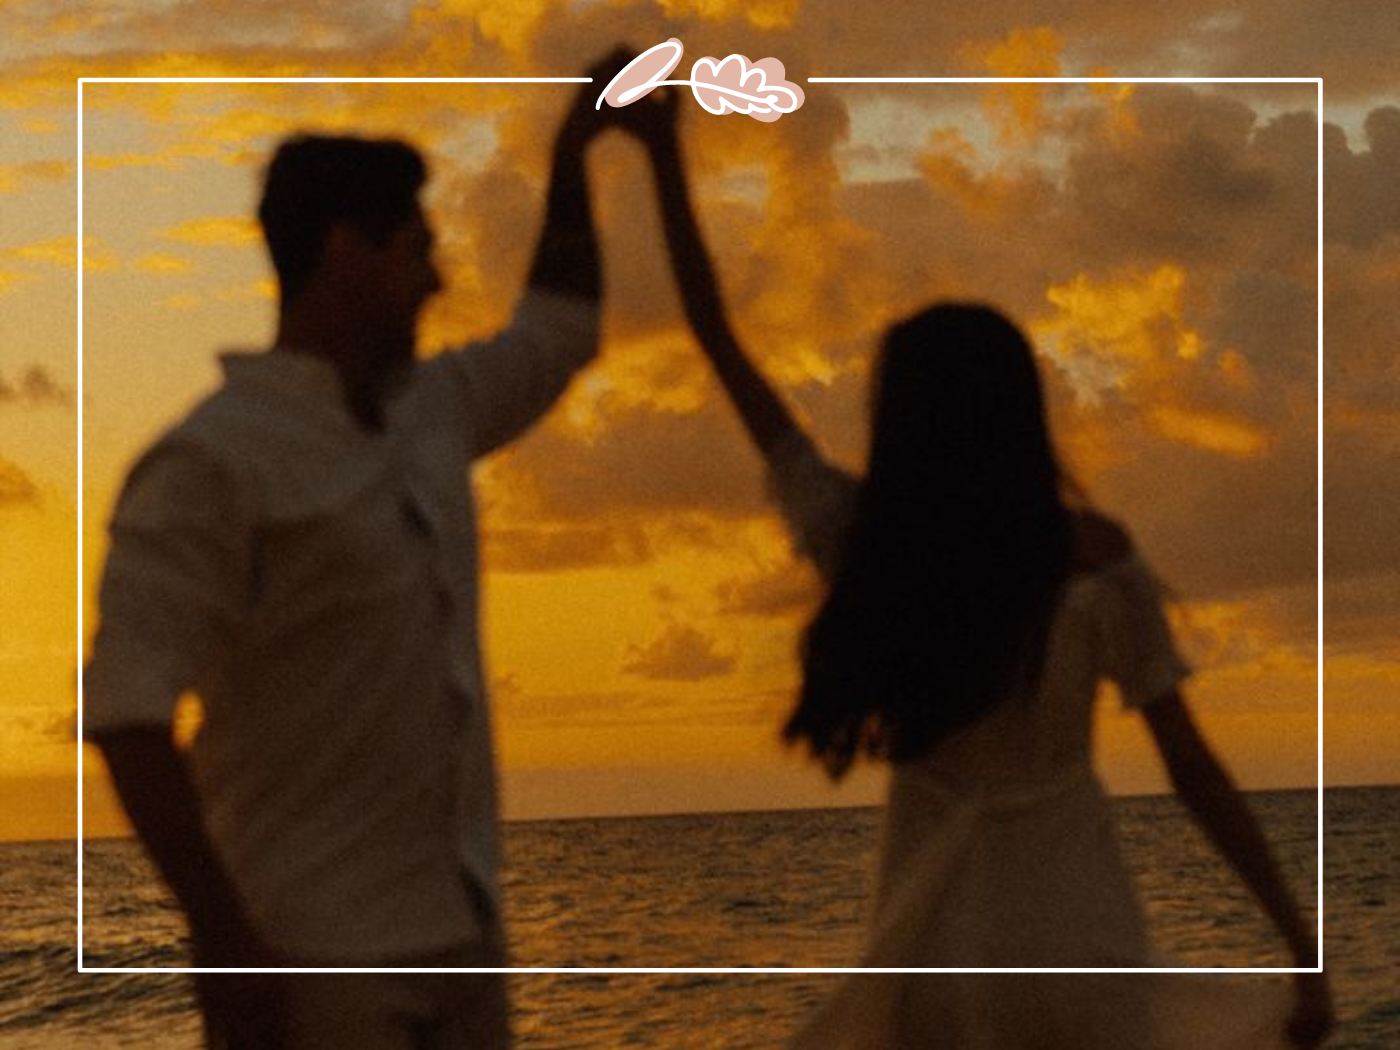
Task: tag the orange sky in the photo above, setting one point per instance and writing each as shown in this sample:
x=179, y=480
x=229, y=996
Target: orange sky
x=641, y=604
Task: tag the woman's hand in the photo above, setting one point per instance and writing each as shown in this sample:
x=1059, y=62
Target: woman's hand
x=653, y=119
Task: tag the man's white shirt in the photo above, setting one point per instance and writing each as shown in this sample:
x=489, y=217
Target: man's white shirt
x=316, y=584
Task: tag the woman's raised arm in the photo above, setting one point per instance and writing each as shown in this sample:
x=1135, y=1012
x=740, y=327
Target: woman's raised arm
x=765, y=417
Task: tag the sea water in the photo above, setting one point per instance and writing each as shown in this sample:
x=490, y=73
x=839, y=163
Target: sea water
x=770, y=889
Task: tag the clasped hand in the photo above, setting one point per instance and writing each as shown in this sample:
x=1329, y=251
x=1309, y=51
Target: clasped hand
x=650, y=119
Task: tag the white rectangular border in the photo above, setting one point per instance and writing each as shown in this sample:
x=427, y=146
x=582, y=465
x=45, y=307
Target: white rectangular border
x=713, y=969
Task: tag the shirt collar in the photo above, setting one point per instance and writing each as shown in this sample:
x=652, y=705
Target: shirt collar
x=292, y=370
x=285, y=374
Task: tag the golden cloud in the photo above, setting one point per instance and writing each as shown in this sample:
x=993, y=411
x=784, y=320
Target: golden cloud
x=761, y=14
x=162, y=263
x=1210, y=432
x=215, y=231
x=21, y=177
x=1018, y=109
x=996, y=194
x=1108, y=334
x=60, y=251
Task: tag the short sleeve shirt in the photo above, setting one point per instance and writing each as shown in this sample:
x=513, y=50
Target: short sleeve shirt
x=316, y=584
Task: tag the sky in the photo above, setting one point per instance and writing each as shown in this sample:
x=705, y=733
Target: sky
x=642, y=605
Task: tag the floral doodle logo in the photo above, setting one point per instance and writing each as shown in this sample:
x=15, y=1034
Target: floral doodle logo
x=736, y=85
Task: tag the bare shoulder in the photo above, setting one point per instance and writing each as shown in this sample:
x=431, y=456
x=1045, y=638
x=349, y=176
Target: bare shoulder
x=1099, y=541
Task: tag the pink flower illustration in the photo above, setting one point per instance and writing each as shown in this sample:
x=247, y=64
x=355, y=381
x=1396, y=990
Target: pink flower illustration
x=734, y=85
x=760, y=90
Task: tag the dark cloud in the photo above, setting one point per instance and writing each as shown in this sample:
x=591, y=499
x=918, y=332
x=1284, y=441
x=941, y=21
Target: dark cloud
x=679, y=654
x=1198, y=182
x=556, y=547
x=643, y=461
x=1363, y=205
x=1362, y=371
x=16, y=487
x=1362, y=496
x=777, y=592
x=1361, y=613
x=1349, y=45
x=34, y=388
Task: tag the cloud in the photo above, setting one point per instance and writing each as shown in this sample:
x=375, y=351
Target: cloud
x=779, y=591
x=22, y=177
x=1361, y=613
x=1185, y=303
x=1019, y=108
x=163, y=263
x=1182, y=215
x=221, y=231
x=679, y=654
x=1362, y=381
x=57, y=253
x=642, y=461
x=1362, y=205
x=35, y=388
x=16, y=487
x=548, y=548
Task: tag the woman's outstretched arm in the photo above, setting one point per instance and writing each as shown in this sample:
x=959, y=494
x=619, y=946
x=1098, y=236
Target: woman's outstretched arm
x=1218, y=807
x=765, y=417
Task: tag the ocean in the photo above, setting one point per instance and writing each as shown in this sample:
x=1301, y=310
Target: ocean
x=766, y=889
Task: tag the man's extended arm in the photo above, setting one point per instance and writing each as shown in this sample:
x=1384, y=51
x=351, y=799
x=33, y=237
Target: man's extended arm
x=154, y=785
x=566, y=259
x=175, y=568
x=499, y=387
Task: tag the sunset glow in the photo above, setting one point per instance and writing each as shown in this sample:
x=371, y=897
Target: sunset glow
x=643, y=608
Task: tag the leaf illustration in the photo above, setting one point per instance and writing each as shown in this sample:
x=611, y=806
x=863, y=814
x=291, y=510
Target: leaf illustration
x=642, y=75
x=758, y=89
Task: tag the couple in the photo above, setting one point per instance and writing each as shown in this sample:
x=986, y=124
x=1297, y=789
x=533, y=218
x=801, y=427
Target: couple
x=300, y=551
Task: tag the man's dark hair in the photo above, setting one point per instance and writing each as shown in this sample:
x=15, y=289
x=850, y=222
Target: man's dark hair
x=315, y=181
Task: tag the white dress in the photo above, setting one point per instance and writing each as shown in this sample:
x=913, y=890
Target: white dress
x=1000, y=850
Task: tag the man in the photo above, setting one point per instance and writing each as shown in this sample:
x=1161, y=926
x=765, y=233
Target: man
x=300, y=551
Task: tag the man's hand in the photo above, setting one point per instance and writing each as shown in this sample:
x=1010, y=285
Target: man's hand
x=653, y=119
x=242, y=1011
x=585, y=119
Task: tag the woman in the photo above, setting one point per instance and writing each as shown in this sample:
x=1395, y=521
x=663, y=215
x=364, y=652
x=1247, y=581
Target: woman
x=974, y=601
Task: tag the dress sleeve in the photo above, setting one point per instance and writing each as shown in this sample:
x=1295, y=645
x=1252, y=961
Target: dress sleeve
x=1139, y=653
x=817, y=500
x=177, y=577
x=495, y=389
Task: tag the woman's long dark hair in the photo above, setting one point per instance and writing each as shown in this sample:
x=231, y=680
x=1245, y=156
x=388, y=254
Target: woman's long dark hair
x=958, y=550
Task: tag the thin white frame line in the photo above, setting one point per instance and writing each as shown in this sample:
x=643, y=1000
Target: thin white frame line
x=1265, y=970
x=81, y=573
x=334, y=80
x=1318, y=81
x=1321, y=431
x=1065, y=80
